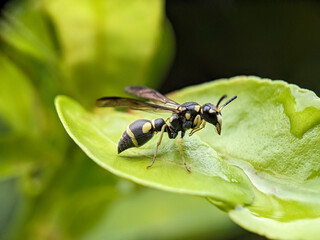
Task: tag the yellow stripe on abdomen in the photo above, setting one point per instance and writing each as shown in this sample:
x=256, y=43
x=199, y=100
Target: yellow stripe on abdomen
x=133, y=138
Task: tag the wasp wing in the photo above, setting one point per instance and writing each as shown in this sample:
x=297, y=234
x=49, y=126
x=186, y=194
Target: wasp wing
x=150, y=94
x=132, y=104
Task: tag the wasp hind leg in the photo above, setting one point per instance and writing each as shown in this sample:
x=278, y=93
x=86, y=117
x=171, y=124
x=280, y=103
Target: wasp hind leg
x=163, y=128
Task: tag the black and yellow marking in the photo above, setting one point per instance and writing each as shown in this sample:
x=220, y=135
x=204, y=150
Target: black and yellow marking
x=197, y=108
x=182, y=108
x=147, y=127
x=197, y=121
x=132, y=136
x=153, y=123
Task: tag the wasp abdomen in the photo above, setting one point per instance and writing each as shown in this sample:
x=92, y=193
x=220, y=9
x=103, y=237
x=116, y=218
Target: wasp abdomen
x=139, y=132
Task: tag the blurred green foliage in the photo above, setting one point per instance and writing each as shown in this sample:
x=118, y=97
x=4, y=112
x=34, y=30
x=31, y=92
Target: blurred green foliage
x=48, y=187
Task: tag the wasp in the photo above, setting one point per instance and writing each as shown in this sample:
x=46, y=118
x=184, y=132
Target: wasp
x=189, y=115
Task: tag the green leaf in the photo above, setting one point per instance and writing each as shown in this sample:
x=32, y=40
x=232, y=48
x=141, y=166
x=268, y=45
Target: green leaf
x=264, y=165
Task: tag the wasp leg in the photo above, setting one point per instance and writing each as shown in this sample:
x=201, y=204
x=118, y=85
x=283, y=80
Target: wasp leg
x=158, y=144
x=197, y=129
x=181, y=154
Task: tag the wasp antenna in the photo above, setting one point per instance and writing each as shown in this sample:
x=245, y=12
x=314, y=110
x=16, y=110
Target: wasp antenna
x=223, y=97
x=229, y=101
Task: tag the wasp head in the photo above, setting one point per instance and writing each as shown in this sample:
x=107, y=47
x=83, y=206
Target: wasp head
x=212, y=113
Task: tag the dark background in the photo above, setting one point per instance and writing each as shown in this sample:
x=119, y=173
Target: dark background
x=219, y=39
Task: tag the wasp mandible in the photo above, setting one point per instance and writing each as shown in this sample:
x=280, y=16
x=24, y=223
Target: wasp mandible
x=189, y=115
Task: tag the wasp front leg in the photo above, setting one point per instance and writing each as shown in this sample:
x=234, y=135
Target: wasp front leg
x=198, y=128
